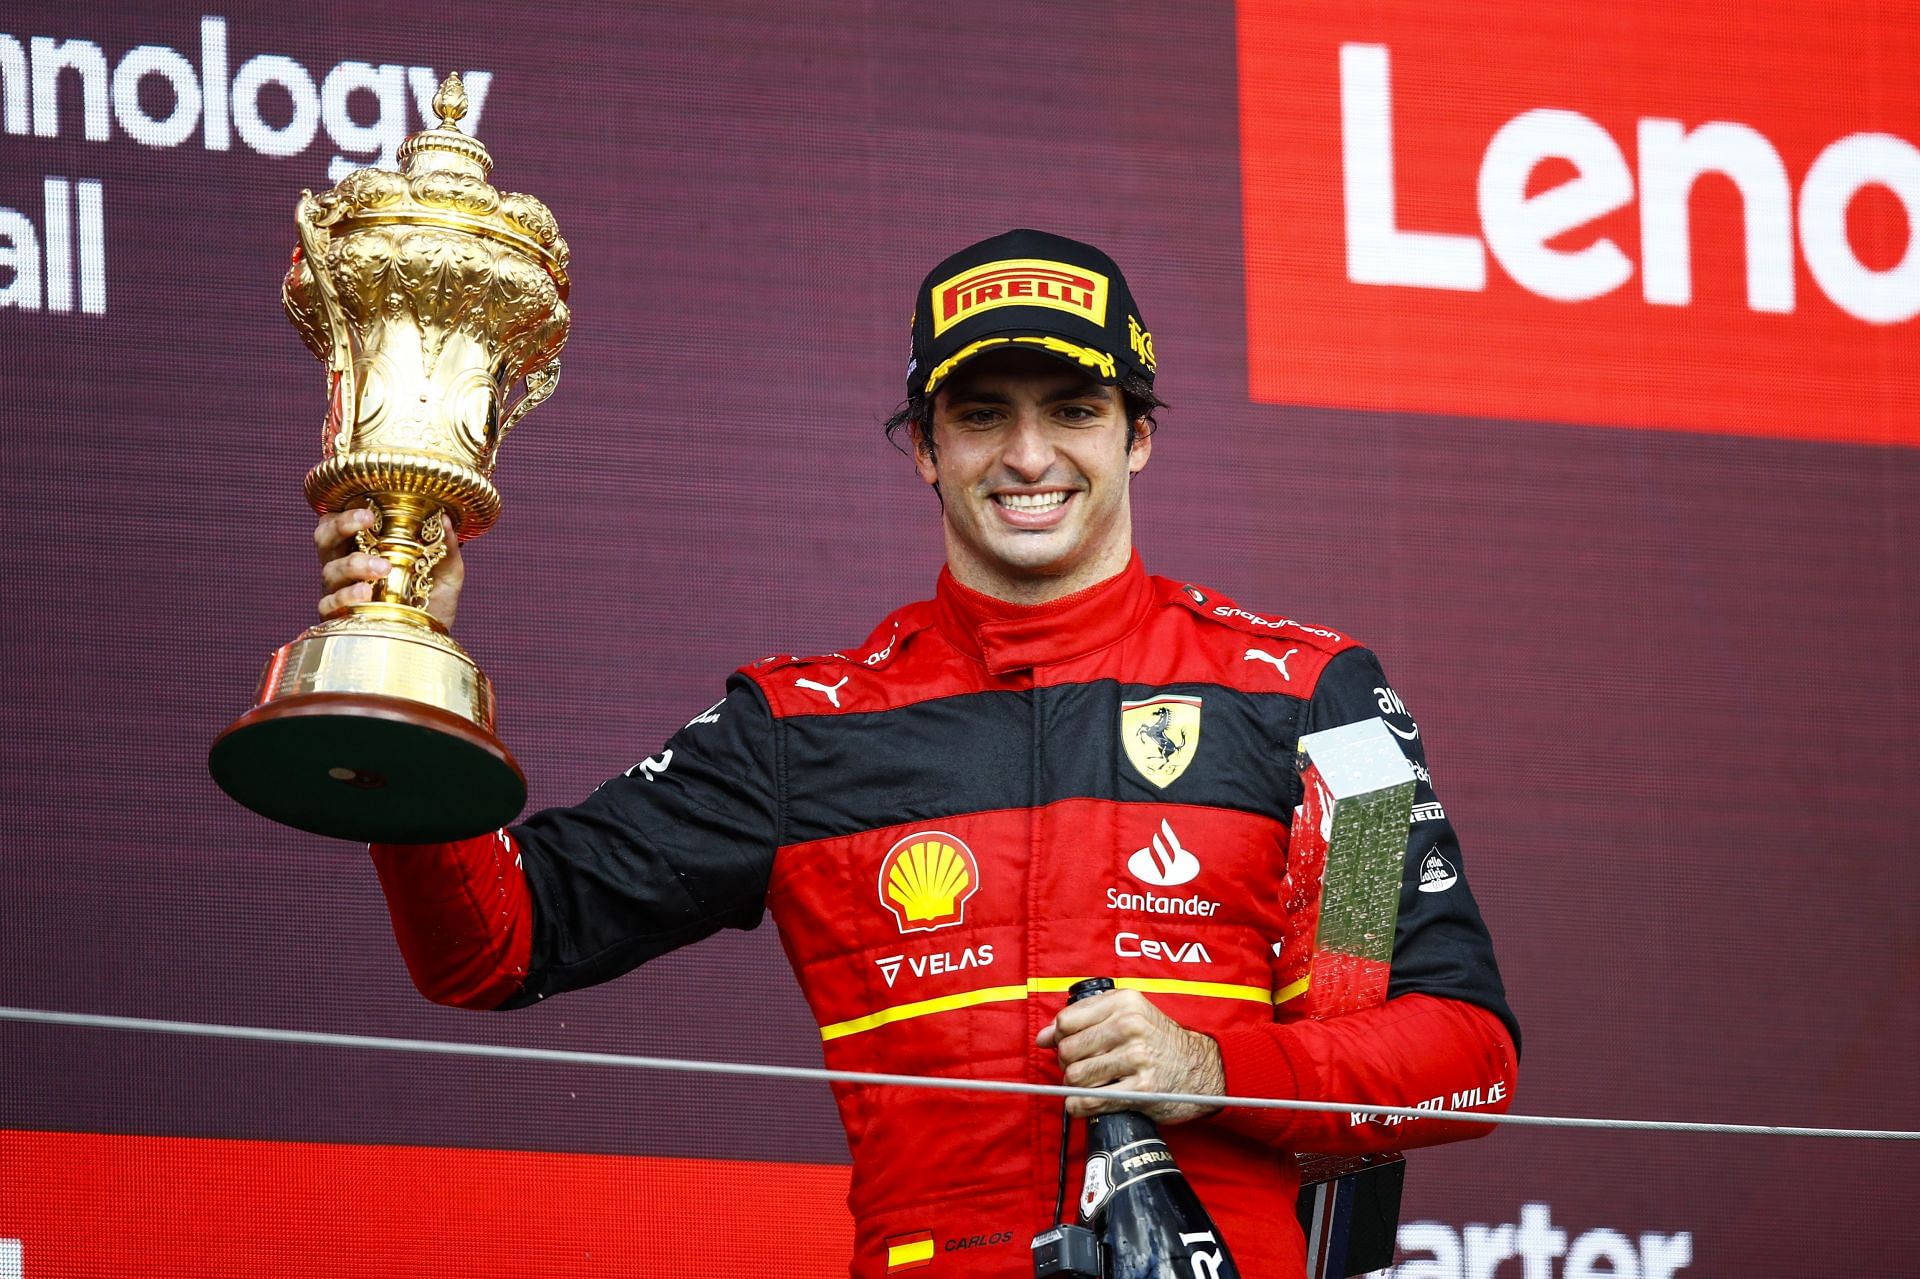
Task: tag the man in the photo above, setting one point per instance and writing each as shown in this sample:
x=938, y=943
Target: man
x=1056, y=768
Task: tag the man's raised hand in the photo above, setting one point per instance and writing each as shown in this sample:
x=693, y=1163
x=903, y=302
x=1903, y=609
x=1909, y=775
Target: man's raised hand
x=1118, y=1039
x=348, y=574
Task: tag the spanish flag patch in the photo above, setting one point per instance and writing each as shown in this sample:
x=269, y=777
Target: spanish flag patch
x=909, y=1252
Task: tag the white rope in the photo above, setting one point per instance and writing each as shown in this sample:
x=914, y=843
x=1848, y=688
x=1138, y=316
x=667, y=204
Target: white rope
x=324, y=1039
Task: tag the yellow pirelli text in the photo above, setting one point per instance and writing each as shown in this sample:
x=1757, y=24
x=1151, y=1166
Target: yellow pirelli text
x=1019, y=282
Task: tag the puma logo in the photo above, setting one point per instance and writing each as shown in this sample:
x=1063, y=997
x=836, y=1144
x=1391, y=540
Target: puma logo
x=832, y=694
x=1278, y=663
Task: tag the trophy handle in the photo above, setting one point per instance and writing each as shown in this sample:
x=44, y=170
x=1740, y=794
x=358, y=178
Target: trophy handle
x=307, y=219
x=540, y=384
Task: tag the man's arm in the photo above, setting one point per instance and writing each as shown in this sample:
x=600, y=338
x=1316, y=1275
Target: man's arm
x=1417, y=1049
x=672, y=851
x=679, y=847
x=1445, y=1038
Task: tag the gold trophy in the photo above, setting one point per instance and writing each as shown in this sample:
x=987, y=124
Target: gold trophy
x=429, y=295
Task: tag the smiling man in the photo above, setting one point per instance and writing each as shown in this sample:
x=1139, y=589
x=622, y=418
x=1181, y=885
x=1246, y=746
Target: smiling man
x=1057, y=767
x=1031, y=462
x=1030, y=397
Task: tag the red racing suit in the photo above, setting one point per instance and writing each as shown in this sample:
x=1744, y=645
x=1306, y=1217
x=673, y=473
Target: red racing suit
x=950, y=825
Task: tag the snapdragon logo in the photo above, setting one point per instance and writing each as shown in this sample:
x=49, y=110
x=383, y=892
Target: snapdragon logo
x=71, y=89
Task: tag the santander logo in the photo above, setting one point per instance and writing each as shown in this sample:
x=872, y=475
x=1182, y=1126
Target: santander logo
x=1164, y=862
x=1720, y=233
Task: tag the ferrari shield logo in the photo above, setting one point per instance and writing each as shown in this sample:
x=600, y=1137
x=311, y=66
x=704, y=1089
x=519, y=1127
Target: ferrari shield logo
x=1160, y=735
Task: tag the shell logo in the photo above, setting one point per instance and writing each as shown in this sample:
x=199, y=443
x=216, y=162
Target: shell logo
x=926, y=879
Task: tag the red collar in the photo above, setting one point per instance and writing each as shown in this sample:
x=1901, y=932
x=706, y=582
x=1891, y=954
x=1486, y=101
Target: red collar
x=1011, y=637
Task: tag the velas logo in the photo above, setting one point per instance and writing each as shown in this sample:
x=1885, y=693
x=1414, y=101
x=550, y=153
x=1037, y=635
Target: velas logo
x=936, y=963
x=1720, y=234
x=926, y=879
x=1019, y=282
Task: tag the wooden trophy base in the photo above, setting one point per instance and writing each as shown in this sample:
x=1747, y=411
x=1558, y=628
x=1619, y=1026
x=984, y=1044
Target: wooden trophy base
x=373, y=725
x=371, y=768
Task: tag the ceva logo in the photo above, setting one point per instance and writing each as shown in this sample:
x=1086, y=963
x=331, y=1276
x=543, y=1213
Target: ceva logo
x=1721, y=233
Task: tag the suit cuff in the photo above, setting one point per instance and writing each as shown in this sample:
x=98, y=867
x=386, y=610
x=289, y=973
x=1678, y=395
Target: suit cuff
x=1257, y=1062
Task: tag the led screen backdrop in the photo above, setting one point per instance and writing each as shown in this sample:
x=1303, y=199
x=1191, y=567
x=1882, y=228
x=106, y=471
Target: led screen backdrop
x=1568, y=358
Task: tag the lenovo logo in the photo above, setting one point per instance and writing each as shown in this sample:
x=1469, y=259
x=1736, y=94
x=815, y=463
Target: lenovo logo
x=1521, y=227
x=1720, y=233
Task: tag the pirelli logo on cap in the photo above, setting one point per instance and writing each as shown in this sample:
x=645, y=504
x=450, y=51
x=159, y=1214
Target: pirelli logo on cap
x=1020, y=282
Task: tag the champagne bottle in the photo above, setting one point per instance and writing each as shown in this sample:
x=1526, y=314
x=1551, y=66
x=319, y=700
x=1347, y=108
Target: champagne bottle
x=1151, y=1223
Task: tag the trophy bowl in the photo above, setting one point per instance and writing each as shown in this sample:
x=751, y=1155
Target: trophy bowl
x=429, y=295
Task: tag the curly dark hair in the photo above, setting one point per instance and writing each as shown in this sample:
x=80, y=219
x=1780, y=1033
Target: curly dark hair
x=1136, y=393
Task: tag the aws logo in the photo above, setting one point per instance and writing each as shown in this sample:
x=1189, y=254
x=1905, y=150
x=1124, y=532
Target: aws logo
x=926, y=879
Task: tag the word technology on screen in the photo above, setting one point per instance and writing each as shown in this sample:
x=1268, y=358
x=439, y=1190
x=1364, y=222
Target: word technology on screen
x=66, y=88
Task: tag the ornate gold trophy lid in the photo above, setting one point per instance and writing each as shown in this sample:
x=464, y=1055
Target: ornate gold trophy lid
x=429, y=295
x=450, y=104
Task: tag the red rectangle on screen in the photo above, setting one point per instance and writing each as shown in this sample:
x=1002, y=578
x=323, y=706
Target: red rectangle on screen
x=189, y=1207
x=1686, y=215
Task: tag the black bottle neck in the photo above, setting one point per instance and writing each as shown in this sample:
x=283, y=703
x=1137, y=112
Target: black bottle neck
x=1122, y=1128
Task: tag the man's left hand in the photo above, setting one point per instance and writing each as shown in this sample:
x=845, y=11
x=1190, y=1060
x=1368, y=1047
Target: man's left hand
x=1118, y=1039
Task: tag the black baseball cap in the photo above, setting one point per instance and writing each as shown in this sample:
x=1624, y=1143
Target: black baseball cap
x=1032, y=289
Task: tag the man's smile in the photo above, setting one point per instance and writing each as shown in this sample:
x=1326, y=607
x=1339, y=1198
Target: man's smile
x=1033, y=510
